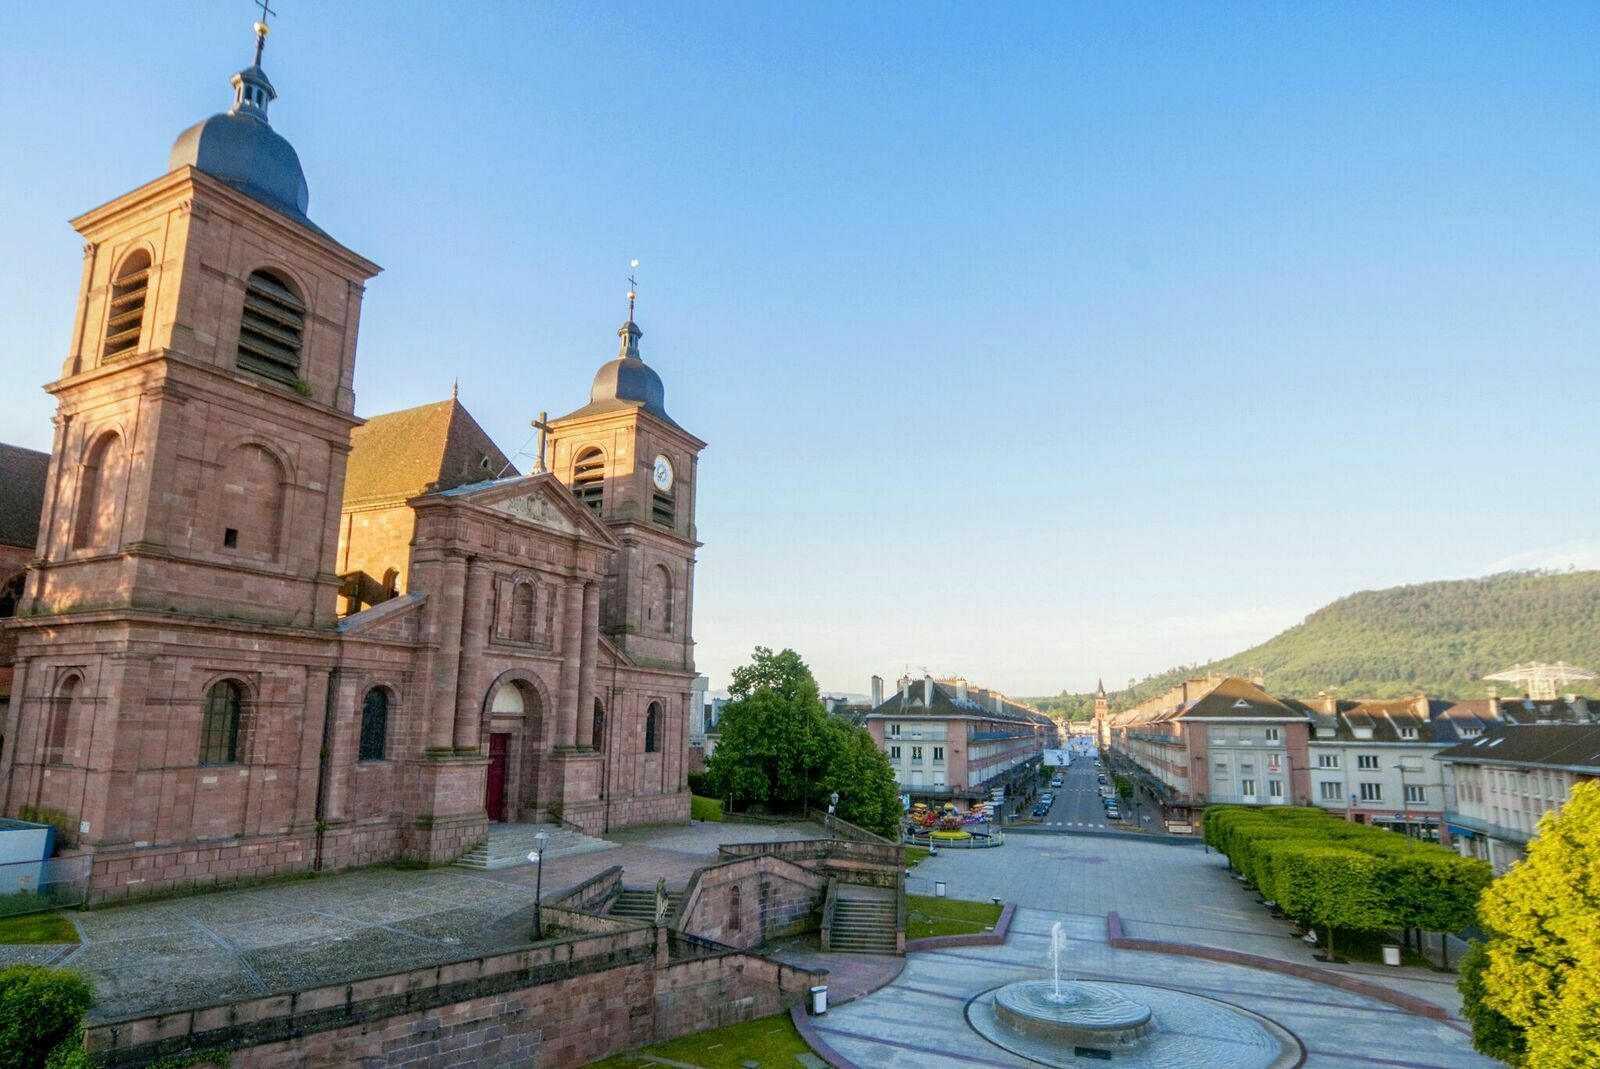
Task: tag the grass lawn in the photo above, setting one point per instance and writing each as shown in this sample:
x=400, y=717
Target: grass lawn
x=704, y=808
x=770, y=1041
x=915, y=854
x=37, y=928
x=927, y=916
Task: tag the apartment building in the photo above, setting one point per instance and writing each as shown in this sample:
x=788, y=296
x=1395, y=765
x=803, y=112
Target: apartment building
x=950, y=741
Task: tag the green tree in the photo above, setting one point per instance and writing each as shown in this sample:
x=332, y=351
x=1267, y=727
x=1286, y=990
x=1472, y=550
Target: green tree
x=861, y=774
x=1492, y=1033
x=773, y=734
x=1542, y=972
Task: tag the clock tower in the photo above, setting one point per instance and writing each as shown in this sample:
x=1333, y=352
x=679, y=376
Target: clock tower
x=625, y=458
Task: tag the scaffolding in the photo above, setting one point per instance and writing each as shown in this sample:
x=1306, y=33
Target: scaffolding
x=1539, y=681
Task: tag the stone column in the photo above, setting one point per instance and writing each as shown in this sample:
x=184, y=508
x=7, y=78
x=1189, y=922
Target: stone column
x=571, y=663
x=474, y=636
x=589, y=652
x=447, y=658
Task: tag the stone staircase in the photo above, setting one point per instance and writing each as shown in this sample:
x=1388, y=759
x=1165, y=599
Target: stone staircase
x=863, y=923
x=639, y=904
x=508, y=845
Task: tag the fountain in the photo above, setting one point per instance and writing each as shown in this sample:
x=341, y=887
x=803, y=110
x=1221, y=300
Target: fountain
x=1060, y=1022
x=1082, y=1014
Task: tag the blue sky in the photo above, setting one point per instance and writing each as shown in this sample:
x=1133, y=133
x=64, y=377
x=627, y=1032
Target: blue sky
x=1035, y=343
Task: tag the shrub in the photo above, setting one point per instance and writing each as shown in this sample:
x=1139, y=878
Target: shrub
x=40, y=1009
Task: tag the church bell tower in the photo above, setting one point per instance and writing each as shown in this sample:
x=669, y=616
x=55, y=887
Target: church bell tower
x=205, y=407
x=625, y=458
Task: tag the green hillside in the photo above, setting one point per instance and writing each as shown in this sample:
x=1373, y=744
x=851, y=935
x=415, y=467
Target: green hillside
x=1437, y=638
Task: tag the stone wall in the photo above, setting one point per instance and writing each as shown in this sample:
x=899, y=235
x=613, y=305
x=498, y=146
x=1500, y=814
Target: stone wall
x=559, y=1005
x=748, y=901
x=868, y=864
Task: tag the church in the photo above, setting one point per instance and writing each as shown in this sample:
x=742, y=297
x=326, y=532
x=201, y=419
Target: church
x=258, y=635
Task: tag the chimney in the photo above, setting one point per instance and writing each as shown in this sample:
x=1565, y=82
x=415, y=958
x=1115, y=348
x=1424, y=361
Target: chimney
x=905, y=690
x=1329, y=704
x=927, y=691
x=1494, y=703
x=961, y=690
x=877, y=691
x=998, y=706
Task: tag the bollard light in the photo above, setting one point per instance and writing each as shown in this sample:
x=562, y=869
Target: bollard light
x=938, y=888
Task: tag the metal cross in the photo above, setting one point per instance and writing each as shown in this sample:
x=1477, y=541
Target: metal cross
x=632, y=286
x=261, y=28
x=265, y=10
x=541, y=425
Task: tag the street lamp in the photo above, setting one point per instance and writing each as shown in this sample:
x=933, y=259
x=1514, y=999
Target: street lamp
x=833, y=802
x=536, y=855
x=1405, y=801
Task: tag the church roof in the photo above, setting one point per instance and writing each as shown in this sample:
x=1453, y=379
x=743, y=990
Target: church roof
x=22, y=478
x=626, y=382
x=419, y=450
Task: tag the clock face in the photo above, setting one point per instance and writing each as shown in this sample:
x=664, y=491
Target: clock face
x=662, y=475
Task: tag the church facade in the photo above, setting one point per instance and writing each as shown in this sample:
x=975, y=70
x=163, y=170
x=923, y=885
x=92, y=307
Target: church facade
x=260, y=635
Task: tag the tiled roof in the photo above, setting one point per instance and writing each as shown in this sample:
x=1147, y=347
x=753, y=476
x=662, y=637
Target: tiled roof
x=1547, y=745
x=433, y=447
x=22, y=479
x=978, y=705
x=1233, y=697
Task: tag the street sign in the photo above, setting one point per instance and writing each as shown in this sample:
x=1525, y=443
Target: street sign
x=1400, y=816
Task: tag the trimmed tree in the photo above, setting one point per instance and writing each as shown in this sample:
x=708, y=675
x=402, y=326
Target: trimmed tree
x=1542, y=972
x=861, y=774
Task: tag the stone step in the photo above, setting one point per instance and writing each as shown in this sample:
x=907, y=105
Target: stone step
x=641, y=905
x=508, y=845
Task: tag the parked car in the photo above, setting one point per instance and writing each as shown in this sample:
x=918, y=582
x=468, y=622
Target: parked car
x=1113, y=813
x=1056, y=782
x=1040, y=809
x=1102, y=779
x=1047, y=798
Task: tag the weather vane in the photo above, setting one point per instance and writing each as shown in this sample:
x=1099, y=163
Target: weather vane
x=261, y=28
x=632, y=286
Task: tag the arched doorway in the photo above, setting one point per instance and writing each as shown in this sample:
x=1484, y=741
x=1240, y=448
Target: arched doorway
x=515, y=748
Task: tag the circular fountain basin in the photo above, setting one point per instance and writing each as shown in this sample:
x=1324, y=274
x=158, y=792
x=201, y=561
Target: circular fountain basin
x=1086, y=1013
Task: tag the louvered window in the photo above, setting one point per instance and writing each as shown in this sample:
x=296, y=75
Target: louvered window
x=664, y=510
x=271, y=329
x=589, y=478
x=126, y=315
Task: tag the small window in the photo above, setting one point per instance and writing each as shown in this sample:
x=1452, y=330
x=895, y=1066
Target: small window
x=1372, y=792
x=1416, y=794
x=523, y=599
x=374, y=725
x=916, y=753
x=1275, y=788
x=62, y=709
x=219, y=729
x=230, y=538
x=272, y=328
x=1247, y=786
x=11, y=594
x=1327, y=760
x=894, y=753
x=125, y=317
x=938, y=753
x=652, y=728
x=734, y=908
x=1408, y=733
x=1330, y=791
x=589, y=478
x=1367, y=760
x=894, y=729
x=1272, y=734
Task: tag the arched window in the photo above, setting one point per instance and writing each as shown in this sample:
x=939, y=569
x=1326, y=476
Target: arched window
x=219, y=728
x=272, y=328
x=11, y=594
x=652, y=728
x=374, y=725
x=658, y=610
x=125, y=317
x=589, y=477
x=391, y=583
x=252, y=501
x=523, y=599
x=599, y=725
x=63, y=709
x=95, y=525
x=735, y=907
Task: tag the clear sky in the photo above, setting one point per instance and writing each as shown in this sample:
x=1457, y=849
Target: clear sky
x=1032, y=342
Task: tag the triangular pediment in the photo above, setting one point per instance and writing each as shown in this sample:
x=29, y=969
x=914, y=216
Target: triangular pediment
x=540, y=501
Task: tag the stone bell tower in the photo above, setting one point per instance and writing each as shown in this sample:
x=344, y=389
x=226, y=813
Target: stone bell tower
x=626, y=459
x=205, y=407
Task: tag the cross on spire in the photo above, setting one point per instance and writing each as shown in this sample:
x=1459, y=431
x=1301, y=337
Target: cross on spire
x=541, y=425
x=633, y=286
x=261, y=28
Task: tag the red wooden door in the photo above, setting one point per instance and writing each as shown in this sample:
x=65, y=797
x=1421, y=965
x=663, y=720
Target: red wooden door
x=495, y=795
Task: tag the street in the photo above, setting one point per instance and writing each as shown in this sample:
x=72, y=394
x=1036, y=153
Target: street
x=1078, y=799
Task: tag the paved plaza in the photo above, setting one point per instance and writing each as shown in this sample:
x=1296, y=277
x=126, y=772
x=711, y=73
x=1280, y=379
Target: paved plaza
x=1163, y=890
x=204, y=949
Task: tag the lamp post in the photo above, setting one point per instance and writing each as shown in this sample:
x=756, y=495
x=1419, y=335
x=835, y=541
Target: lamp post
x=1405, y=801
x=833, y=802
x=536, y=855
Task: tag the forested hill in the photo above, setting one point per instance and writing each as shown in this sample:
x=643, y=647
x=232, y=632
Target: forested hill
x=1436, y=638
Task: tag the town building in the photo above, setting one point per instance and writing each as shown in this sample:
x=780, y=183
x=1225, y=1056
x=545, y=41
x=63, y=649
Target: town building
x=951, y=742
x=259, y=635
x=1503, y=781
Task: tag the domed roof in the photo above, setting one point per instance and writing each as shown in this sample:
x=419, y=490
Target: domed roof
x=239, y=147
x=627, y=381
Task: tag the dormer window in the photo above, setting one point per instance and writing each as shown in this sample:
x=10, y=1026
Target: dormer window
x=271, y=329
x=125, y=317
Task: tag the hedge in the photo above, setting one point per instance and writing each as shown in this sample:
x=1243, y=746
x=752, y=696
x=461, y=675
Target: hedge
x=41, y=1012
